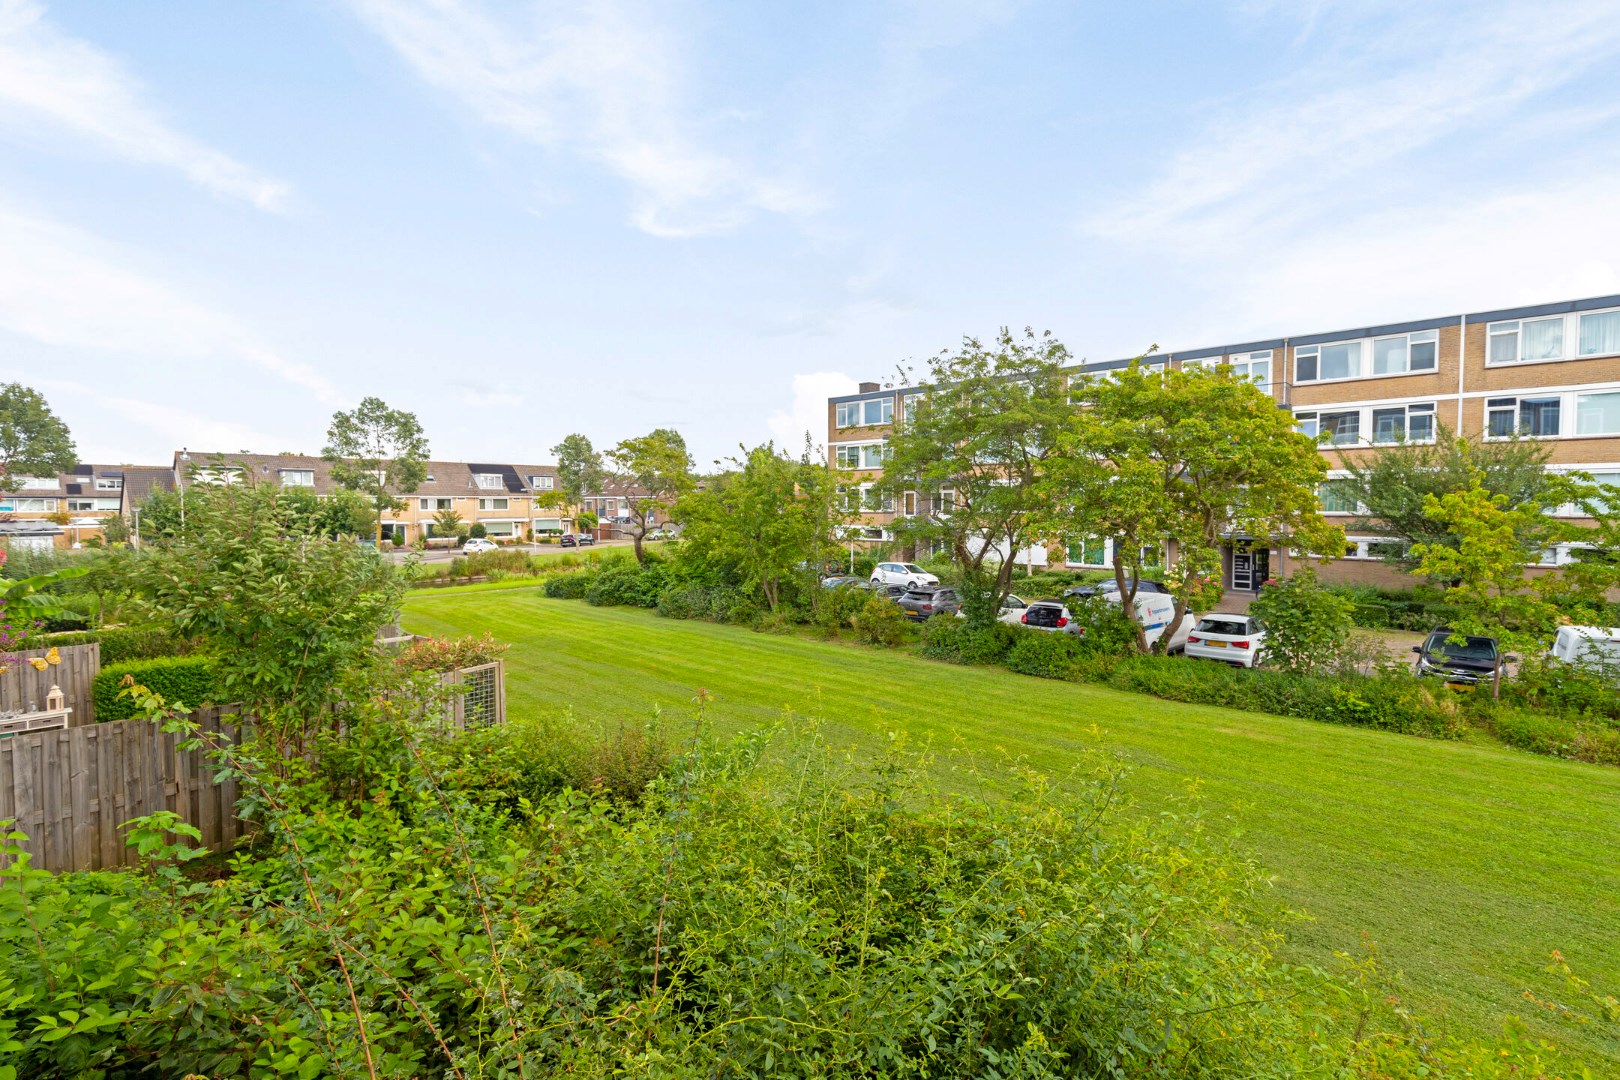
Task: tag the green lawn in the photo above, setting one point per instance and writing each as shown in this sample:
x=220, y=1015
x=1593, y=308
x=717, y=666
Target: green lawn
x=1467, y=864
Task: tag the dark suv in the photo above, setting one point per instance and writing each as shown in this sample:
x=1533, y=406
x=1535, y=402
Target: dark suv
x=1464, y=662
x=1051, y=616
x=924, y=603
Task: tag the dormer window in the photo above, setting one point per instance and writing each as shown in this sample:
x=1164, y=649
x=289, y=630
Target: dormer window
x=542, y=483
x=109, y=483
x=490, y=480
x=297, y=477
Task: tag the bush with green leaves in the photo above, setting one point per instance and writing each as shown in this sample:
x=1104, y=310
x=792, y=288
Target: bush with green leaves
x=194, y=680
x=879, y=622
x=1045, y=654
x=569, y=584
x=119, y=644
x=1307, y=626
x=628, y=585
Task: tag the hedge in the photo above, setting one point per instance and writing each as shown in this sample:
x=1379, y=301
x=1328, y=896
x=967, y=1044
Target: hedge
x=191, y=680
x=131, y=643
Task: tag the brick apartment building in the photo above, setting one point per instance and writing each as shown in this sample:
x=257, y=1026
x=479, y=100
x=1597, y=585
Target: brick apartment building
x=1550, y=372
x=500, y=497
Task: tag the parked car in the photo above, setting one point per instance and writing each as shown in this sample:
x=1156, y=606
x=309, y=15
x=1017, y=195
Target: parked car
x=1051, y=616
x=1155, y=610
x=1111, y=586
x=1011, y=609
x=477, y=544
x=888, y=592
x=924, y=602
x=587, y=539
x=845, y=581
x=1228, y=637
x=1464, y=663
x=902, y=573
x=661, y=534
x=568, y=540
x=1596, y=648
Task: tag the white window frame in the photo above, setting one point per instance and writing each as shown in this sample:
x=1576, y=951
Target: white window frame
x=1415, y=337
x=1575, y=413
x=488, y=481
x=490, y=504
x=1408, y=411
x=543, y=483
x=1571, y=324
x=1518, y=401
x=109, y=483
x=1334, y=477
x=32, y=504
x=284, y=474
x=1314, y=351
x=1366, y=356
x=38, y=483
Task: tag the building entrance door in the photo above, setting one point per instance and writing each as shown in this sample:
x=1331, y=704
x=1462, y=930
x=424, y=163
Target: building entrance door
x=1250, y=568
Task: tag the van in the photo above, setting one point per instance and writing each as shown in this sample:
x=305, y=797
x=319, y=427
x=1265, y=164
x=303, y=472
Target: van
x=1589, y=646
x=1155, y=610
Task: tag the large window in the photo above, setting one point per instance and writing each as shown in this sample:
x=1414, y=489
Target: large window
x=1336, y=498
x=1256, y=367
x=542, y=483
x=864, y=413
x=492, y=504
x=1600, y=333
x=93, y=504
x=434, y=504
x=1537, y=417
x=1338, y=360
x=1406, y=352
x=1089, y=552
x=109, y=483
x=1403, y=423
x=1518, y=340
x=1340, y=428
x=297, y=477
x=10, y=505
x=1597, y=414
x=489, y=480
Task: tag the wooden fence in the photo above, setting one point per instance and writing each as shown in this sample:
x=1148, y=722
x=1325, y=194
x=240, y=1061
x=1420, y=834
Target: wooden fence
x=23, y=688
x=72, y=789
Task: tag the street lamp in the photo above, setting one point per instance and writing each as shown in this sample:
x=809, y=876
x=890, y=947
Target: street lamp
x=180, y=479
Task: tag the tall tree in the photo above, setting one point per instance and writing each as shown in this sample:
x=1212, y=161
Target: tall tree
x=579, y=468
x=33, y=441
x=1394, y=484
x=983, y=432
x=378, y=451
x=1194, y=458
x=649, y=471
x=770, y=517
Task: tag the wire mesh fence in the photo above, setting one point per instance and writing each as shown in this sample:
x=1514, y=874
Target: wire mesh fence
x=480, y=699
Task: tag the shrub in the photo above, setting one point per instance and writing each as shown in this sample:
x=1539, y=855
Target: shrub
x=1044, y=654
x=628, y=585
x=127, y=643
x=956, y=640
x=531, y=757
x=477, y=531
x=505, y=560
x=836, y=609
x=1307, y=627
x=447, y=654
x=190, y=680
x=942, y=639
x=399, y=539
x=685, y=602
x=879, y=622
x=570, y=584
x=1108, y=629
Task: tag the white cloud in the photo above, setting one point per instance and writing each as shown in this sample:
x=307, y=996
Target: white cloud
x=64, y=288
x=808, y=413
x=595, y=78
x=55, y=82
x=183, y=428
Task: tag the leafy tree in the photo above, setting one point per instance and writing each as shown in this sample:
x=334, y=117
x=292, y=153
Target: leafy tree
x=377, y=451
x=586, y=521
x=158, y=516
x=343, y=513
x=33, y=441
x=115, y=530
x=649, y=471
x=1394, y=483
x=288, y=613
x=1307, y=627
x=1185, y=458
x=1492, y=541
x=984, y=431
x=580, y=471
x=770, y=517
x=448, y=523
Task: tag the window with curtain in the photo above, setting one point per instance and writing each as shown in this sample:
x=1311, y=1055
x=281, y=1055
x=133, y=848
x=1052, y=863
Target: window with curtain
x=1405, y=352
x=1525, y=339
x=1539, y=416
x=1597, y=414
x=1336, y=498
x=1342, y=428
x=1600, y=333
x=872, y=456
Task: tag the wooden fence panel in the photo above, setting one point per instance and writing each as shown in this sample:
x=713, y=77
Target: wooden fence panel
x=23, y=689
x=72, y=790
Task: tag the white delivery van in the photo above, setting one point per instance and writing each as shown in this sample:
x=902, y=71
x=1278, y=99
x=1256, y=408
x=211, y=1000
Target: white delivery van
x=1589, y=646
x=1155, y=610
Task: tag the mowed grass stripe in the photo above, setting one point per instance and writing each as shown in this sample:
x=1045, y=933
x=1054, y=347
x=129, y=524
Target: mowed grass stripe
x=1468, y=864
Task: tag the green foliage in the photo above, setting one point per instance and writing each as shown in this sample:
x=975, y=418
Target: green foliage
x=580, y=471
x=193, y=680
x=836, y=608
x=36, y=597
x=649, y=471
x=448, y=523
x=399, y=539
x=570, y=584
x=879, y=622
x=342, y=513
x=628, y=585
x=447, y=654
x=961, y=642
x=530, y=758
x=33, y=440
x=119, y=644
x=768, y=523
x=717, y=603
x=987, y=430
x=1307, y=627
x=288, y=614
x=586, y=521
x=1420, y=609
x=1045, y=655
x=1108, y=629
x=477, y=531
x=377, y=451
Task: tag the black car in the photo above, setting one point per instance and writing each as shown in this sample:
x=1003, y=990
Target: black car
x=922, y=604
x=889, y=592
x=1112, y=586
x=568, y=541
x=1466, y=661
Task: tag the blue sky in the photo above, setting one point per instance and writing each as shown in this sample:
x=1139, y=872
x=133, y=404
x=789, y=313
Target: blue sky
x=219, y=222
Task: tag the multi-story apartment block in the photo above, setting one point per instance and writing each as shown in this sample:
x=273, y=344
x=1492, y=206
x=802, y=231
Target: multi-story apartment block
x=1549, y=372
x=69, y=509
x=500, y=497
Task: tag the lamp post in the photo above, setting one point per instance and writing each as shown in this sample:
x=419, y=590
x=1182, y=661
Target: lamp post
x=180, y=479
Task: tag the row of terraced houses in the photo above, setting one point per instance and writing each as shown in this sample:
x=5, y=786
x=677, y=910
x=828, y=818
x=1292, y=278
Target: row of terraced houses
x=1549, y=372
x=68, y=509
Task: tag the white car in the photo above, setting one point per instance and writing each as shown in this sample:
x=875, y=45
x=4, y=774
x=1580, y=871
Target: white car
x=1012, y=611
x=902, y=573
x=1227, y=637
x=477, y=544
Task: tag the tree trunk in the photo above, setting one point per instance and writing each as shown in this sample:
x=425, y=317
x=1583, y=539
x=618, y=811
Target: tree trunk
x=635, y=538
x=1127, y=601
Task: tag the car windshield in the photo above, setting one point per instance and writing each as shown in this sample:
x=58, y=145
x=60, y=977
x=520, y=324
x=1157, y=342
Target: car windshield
x=1474, y=648
x=1235, y=627
x=913, y=568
